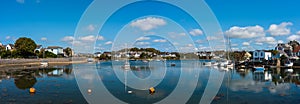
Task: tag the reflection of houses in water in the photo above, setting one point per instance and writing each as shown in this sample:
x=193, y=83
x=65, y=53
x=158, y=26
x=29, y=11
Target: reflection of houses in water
x=57, y=72
x=262, y=76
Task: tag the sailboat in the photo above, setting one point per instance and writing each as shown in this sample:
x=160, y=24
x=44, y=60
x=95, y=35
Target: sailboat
x=126, y=64
x=230, y=64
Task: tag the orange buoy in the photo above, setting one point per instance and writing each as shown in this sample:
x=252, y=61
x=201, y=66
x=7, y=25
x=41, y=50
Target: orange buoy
x=151, y=90
x=32, y=90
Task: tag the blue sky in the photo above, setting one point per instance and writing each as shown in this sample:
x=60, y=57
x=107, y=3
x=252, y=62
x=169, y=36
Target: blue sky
x=251, y=24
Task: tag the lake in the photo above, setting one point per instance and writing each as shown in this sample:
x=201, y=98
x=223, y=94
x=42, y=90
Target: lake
x=187, y=81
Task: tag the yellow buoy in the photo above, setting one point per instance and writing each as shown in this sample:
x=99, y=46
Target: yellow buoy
x=32, y=90
x=151, y=90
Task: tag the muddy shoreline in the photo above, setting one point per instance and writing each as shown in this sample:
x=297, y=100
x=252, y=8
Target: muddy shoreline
x=36, y=63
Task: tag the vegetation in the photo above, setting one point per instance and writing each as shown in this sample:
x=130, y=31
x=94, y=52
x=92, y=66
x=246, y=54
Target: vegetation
x=25, y=47
x=68, y=51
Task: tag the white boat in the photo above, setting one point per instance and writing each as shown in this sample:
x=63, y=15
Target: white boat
x=207, y=63
x=289, y=70
x=173, y=64
x=44, y=63
x=126, y=65
x=90, y=60
x=223, y=63
x=289, y=64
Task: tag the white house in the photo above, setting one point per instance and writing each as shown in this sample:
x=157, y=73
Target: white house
x=260, y=55
x=55, y=49
x=97, y=54
x=9, y=47
x=38, y=48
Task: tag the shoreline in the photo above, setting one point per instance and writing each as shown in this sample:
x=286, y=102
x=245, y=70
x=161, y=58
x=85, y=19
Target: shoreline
x=37, y=62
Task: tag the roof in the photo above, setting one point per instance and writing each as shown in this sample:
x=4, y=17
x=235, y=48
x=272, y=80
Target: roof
x=11, y=45
x=54, y=47
x=296, y=49
x=38, y=46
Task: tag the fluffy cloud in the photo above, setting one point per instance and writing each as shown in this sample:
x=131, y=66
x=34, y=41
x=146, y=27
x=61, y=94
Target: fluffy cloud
x=99, y=37
x=196, y=32
x=108, y=42
x=91, y=38
x=280, y=41
x=281, y=29
x=245, y=32
x=293, y=37
x=159, y=40
x=298, y=33
x=88, y=38
x=176, y=35
x=148, y=23
x=91, y=27
x=200, y=41
x=234, y=45
x=213, y=38
x=142, y=38
x=7, y=37
x=44, y=39
x=142, y=43
x=20, y=1
x=268, y=40
x=189, y=45
x=259, y=44
x=246, y=43
x=67, y=38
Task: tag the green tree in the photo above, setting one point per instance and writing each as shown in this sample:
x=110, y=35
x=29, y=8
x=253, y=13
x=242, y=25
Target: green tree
x=25, y=47
x=68, y=51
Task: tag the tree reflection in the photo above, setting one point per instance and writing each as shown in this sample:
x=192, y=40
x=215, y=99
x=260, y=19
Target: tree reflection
x=25, y=81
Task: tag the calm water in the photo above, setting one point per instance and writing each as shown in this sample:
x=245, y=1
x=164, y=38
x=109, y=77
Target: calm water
x=58, y=84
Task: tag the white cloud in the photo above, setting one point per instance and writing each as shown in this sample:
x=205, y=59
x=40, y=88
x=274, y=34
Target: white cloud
x=148, y=23
x=176, y=35
x=7, y=37
x=298, y=33
x=201, y=41
x=234, y=45
x=213, y=38
x=280, y=41
x=20, y=1
x=91, y=38
x=245, y=32
x=281, y=29
x=259, y=44
x=293, y=37
x=67, y=38
x=88, y=38
x=44, y=39
x=99, y=37
x=246, y=43
x=91, y=27
x=196, y=32
x=142, y=43
x=268, y=40
x=142, y=38
x=108, y=42
x=189, y=45
x=159, y=40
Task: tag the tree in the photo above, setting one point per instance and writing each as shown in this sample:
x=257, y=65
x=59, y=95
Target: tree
x=68, y=51
x=25, y=47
